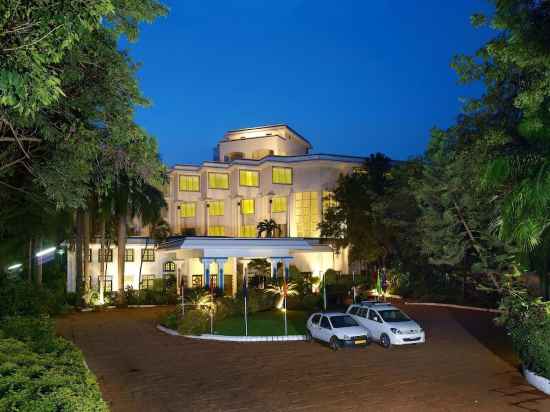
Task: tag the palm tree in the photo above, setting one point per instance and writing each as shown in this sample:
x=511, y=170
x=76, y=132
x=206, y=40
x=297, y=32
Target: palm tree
x=279, y=291
x=267, y=226
x=158, y=231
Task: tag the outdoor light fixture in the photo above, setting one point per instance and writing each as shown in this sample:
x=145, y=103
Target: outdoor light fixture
x=16, y=266
x=46, y=251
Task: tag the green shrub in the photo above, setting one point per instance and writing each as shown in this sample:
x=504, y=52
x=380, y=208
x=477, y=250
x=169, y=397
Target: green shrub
x=194, y=322
x=23, y=298
x=37, y=332
x=528, y=323
x=227, y=307
x=311, y=302
x=170, y=321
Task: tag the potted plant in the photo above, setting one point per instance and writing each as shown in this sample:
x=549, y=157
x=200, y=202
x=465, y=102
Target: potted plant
x=528, y=323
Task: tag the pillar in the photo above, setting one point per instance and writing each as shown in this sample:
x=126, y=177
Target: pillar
x=273, y=262
x=221, y=263
x=206, y=271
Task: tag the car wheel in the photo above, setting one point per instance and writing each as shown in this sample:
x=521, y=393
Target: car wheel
x=385, y=341
x=334, y=345
x=309, y=338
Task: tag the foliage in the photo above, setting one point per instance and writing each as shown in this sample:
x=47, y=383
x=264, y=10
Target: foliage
x=528, y=323
x=40, y=372
x=278, y=291
x=194, y=322
x=260, y=267
x=267, y=226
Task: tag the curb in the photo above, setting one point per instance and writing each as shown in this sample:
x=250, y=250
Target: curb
x=242, y=339
x=91, y=309
x=449, y=305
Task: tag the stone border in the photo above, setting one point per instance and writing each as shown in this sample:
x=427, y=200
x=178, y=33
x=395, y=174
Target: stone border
x=225, y=338
x=91, y=309
x=542, y=384
x=449, y=305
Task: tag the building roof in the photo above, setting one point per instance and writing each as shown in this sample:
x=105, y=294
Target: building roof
x=246, y=129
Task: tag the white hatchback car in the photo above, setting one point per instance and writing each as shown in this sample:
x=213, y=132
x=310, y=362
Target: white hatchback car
x=387, y=324
x=337, y=329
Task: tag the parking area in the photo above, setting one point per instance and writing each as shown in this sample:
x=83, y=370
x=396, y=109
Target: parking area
x=466, y=365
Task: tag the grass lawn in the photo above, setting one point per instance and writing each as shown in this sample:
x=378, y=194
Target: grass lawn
x=269, y=323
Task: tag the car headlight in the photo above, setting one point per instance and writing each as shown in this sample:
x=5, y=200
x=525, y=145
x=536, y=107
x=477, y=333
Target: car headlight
x=395, y=331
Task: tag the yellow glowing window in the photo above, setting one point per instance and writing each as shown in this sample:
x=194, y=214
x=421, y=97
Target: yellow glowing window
x=216, y=231
x=328, y=201
x=216, y=208
x=188, y=209
x=278, y=204
x=247, y=206
x=218, y=180
x=307, y=214
x=282, y=175
x=247, y=231
x=189, y=183
x=249, y=178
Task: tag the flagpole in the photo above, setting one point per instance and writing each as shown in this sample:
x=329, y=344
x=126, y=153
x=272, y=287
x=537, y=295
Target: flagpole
x=285, y=293
x=325, y=291
x=245, y=287
x=354, y=292
x=211, y=308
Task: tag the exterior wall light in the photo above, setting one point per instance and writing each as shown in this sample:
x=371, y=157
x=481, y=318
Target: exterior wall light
x=16, y=266
x=46, y=251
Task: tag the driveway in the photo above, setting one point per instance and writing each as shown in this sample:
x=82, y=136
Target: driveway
x=466, y=365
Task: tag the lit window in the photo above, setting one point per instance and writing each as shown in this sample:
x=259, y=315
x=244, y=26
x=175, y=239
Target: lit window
x=129, y=255
x=216, y=208
x=247, y=231
x=189, y=183
x=249, y=178
x=216, y=231
x=282, y=175
x=188, y=209
x=247, y=206
x=107, y=283
x=128, y=281
x=169, y=267
x=148, y=255
x=89, y=255
x=328, y=201
x=307, y=214
x=196, y=281
x=218, y=180
x=147, y=281
x=278, y=204
x=101, y=253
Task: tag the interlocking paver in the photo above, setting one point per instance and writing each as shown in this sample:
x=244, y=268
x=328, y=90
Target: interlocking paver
x=466, y=365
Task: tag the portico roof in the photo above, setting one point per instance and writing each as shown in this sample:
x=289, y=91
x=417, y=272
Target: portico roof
x=217, y=247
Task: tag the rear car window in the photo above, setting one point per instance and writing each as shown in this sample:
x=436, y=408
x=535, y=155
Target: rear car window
x=315, y=319
x=353, y=310
x=325, y=323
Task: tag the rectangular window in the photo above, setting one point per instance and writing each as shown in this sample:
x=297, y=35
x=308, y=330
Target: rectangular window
x=247, y=206
x=216, y=231
x=247, y=231
x=216, y=208
x=128, y=281
x=249, y=178
x=188, y=209
x=89, y=255
x=307, y=214
x=189, y=183
x=278, y=204
x=147, y=255
x=147, y=281
x=107, y=283
x=101, y=253
x=129, y=255
x=196, y=281
x=328, y=201
x=282, y=175
x=218, y=181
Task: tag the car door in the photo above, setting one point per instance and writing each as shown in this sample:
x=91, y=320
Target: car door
x=325, y=330
x=374, y=324
x=314, y=326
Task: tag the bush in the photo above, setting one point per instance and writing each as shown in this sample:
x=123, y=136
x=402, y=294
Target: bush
x=170, y=321
x=227, y=307
x=38, y=332
x=23, y=298
x=528, y=323
x=311, y=302
x=194, y=322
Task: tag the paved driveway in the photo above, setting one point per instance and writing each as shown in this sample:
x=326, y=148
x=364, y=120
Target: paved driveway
x=465, y=366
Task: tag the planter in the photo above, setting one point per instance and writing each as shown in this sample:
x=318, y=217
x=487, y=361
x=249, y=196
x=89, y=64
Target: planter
x=542, y=384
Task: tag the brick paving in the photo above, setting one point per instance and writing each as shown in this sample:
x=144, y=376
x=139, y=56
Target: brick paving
x=466, y=365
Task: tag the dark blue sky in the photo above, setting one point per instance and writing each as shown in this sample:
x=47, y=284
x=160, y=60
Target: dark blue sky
x=354, y=77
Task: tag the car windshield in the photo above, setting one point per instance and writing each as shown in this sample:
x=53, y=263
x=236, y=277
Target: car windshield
x=393, y=315
x=343, y=321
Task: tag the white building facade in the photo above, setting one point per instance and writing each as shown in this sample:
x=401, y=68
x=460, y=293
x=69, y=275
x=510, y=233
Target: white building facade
x=261, y=173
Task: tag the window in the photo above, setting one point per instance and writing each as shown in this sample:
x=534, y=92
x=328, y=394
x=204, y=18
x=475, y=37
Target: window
x=363, y=312
x=101, y=253
x=89, y=255
x=325, y=323
x=107, y=283
x=188, y=209
x=189, y=183
x=169, y=267
x=249, y=178
x=213, y=281
x=218, y=181
x=282, y=175
x=147, y=255
x=196, y=281
x=315, y=319
x=247, y=231
x=353, y=310
x=278, y=204
x=247, y=206
x=128, y=281
x=216, y=231
x=374, y=316
x=216, y=208
x=307, y=214
x=328, y=201
x=147, y=281
x=129, y=255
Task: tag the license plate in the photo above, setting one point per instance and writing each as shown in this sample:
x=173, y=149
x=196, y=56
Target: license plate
x=360, y=342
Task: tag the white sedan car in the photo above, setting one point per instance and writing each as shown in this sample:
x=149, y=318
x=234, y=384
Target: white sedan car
x=337, y=329
x=387, y=324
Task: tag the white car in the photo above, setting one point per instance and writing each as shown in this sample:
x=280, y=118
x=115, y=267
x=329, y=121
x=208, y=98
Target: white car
x=387, y=324
x=337, y=329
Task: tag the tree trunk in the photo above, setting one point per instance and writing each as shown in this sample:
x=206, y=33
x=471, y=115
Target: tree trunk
x=30, y=259
x=141, y=262
x=121, y=247
x=79, y=267
x=86, y=249
x=102, y=262
x=38, y=278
